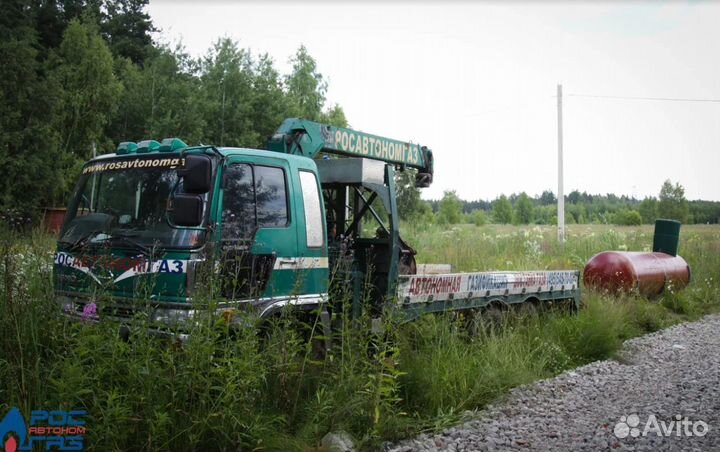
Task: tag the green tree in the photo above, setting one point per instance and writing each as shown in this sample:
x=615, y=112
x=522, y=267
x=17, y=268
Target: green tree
x=524, y=209
x=173, y=97
x=450, y=207
x=577, y=211
x=52, y=18
x=672, y=203
x=306, y=87
x=408, y=195
x=648, y=209
x=705, y=211
x=270, y=104
x=478, y=217
x=547, y=198
x=129, y=121
x=502, y=210
x=425, y=213
x=161, y=100
x=84, y=71
x=227, y=84
x=335, y=116
x=573, y=197
x=127, y=26
x=29, y=145
x=627, y=217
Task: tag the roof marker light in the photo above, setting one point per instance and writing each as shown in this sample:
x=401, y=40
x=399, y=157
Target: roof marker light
x=146, y=146
x=126, y=147
x=172, y=145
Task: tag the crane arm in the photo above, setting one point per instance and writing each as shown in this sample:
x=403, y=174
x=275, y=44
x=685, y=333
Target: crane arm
x=308, y=138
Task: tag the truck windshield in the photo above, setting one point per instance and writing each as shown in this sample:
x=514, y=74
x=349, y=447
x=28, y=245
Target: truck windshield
x=126, y=203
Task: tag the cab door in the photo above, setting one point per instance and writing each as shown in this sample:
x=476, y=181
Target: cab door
x=257, y=229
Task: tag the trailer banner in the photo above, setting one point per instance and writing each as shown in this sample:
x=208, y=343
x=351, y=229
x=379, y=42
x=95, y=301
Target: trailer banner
x=421, y=288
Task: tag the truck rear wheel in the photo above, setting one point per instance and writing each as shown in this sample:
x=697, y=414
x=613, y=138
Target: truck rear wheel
x=486, y=320
x=495, y=316
x=529, y=308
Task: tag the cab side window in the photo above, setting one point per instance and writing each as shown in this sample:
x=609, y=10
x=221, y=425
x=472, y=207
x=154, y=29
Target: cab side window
x=238, y=214
x=254, y=197
x=314, y=229
x=271, y=197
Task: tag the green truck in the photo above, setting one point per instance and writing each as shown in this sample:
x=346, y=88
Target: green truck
x=277, y=227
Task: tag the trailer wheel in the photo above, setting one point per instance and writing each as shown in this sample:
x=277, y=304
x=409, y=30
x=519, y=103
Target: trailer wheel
x=495, y=316
x=564, y=306
x=573, y=307
x=474, y=323
x=529, y=308
x=485, y=320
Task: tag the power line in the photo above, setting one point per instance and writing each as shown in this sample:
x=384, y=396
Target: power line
x=667, y=99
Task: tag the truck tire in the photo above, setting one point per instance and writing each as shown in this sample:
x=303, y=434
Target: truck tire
x=495, y=316
x=529, y=308
x=485, y=320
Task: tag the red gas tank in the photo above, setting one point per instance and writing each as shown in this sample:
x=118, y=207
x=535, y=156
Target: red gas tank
x=646, y=273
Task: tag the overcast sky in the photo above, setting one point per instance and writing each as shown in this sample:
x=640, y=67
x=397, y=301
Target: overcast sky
x=477, y=84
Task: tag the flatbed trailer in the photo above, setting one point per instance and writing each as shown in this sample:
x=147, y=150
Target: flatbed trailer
x=419, y=294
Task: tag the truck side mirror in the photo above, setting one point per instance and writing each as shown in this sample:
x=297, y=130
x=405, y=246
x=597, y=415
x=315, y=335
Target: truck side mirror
x=424, y=177
x=186, y=210
x=196, y=174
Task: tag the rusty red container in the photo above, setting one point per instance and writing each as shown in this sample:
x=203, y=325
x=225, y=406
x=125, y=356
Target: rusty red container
x=53, y=218
x=648, y=274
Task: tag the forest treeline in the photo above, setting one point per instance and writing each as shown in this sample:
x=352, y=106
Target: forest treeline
x=79, y=76
x=580, y=207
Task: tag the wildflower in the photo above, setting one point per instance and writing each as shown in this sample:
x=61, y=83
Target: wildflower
x=89, y=311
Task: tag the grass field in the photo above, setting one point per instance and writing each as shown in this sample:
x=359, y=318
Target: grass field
x=216, y=393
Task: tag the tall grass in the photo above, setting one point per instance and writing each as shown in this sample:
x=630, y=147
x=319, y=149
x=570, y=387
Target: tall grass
x=274, y=391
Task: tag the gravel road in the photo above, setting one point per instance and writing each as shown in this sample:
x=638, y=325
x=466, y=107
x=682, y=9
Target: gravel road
x=608, y=405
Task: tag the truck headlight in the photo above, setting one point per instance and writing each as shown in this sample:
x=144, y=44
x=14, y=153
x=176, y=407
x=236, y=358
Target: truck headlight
x=170, y=316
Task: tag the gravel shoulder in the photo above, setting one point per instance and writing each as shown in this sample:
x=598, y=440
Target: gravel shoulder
x=672, y=374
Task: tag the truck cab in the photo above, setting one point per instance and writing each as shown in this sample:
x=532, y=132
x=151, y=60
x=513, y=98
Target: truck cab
x=149, y=220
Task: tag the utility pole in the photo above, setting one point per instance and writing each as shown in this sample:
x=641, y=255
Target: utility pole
x=561, y=194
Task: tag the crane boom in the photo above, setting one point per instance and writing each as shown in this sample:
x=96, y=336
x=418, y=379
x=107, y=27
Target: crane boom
x=309, y=138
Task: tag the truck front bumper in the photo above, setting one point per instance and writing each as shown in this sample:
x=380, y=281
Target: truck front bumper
x=171, y=320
